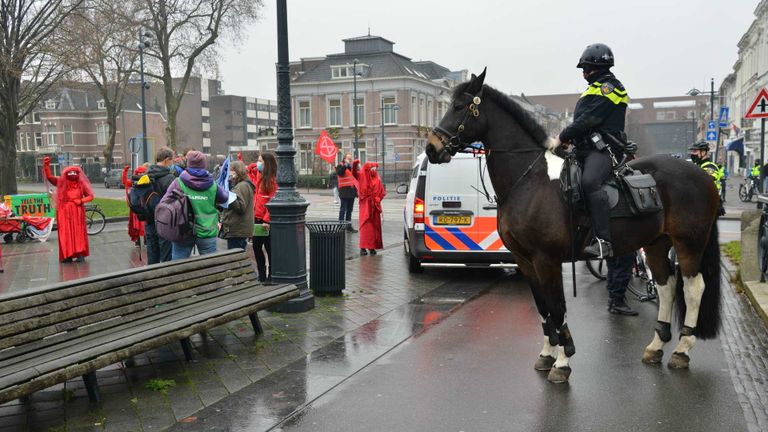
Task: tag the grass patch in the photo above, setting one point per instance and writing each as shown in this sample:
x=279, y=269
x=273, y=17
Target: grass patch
x=160, y=385
x=112, y=207
x=732, y=250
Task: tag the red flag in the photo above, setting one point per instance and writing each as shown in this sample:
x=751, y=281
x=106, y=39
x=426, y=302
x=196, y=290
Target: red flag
x=240, y=157
x=325, y=148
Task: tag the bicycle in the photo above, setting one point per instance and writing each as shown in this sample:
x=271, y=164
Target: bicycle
x=95, y=221
x=762, y=238
x=599, y=269
x=747, y=190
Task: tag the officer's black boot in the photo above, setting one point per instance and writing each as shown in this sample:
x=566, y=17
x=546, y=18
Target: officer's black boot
x=620, y=307
x=600, y=215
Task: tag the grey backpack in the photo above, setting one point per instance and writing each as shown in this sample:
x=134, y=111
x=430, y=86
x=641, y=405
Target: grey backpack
x=174, y=219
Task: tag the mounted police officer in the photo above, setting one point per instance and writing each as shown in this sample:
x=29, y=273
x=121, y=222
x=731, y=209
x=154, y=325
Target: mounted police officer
x=700, y=156
x=597, y=132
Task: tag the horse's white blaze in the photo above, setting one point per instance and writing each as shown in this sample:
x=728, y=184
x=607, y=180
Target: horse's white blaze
x=666, y=299
x=547, y=349
x=554, y=165
x=562, y=360
x=656, y=344
x=693, y=289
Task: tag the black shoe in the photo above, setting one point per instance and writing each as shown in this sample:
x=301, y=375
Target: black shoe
x=350, y=229
x=372, y=251
x=67, y=260
x=620, y=307
x=80, y=259
x=363, y=252
x=599, y=249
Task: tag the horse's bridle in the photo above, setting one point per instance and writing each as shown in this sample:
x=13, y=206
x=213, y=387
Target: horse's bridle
x=453, y=142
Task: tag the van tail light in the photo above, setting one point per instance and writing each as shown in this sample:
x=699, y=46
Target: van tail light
x=418, y=211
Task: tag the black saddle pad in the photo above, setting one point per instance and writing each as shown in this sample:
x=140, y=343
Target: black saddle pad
x=617, y=200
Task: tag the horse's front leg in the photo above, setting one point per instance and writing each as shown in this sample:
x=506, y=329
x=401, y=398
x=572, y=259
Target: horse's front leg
x=663, y=273
x=549, y=345
x=551, y=287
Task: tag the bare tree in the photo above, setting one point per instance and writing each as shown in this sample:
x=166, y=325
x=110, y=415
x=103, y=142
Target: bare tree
x=28, y=29
x=185, y=33
x=106, y=54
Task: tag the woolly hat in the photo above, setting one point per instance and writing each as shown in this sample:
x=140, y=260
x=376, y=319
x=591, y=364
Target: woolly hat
x=195, y=159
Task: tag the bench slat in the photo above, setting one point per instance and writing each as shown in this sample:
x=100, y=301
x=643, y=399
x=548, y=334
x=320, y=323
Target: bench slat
x=124, y=340
x=201, y=288
x=47, y=311
x=88, y=314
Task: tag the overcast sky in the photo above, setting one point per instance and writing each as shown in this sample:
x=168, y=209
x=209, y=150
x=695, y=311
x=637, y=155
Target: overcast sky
x=662, y=47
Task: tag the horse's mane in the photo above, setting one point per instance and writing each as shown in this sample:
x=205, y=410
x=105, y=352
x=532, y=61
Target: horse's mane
x=526, y=121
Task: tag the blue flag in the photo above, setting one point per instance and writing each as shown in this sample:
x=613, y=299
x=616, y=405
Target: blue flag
x=223, y=180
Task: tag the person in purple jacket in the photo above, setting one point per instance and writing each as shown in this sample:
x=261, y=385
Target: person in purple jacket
x=203, y=195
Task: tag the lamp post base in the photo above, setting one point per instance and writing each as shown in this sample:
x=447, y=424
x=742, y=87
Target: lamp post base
x=302, y=303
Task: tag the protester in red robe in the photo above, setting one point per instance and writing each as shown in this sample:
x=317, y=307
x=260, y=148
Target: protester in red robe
x=73, y=190
x=135, y=226
x=370, y=192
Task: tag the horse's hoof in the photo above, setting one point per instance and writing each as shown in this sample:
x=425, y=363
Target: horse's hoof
x=652, y=356
x=544, y=363
x=679, y=361
x=559, y=375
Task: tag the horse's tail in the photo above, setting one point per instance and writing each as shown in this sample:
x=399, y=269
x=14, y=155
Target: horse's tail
x=708, y=323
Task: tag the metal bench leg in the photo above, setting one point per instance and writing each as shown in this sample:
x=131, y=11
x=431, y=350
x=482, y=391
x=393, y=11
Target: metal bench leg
x=92, y=387
x=255, y=323
x=186, y=346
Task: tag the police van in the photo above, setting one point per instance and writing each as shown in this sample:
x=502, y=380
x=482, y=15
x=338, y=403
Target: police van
x=447, y=218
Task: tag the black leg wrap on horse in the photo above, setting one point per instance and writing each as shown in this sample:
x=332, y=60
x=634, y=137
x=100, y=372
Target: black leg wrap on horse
x=687, y=331
x=566, y=341
x=550, y=331
x=664, y=330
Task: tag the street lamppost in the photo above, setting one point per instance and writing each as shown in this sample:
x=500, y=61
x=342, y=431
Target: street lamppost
x=288, y=208
x=143, y=44
x=393, y=108
x=354, y=103
x=695, y=92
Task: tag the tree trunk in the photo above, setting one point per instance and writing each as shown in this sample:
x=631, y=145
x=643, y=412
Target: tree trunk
x=109, y=149
x=170, y=126
x=9, y=105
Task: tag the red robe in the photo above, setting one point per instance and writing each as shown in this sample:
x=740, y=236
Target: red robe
x=70, y=216
x=371, y=192
x=135, y=226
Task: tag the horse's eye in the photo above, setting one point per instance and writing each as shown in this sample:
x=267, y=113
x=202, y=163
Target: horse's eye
x=458, y=107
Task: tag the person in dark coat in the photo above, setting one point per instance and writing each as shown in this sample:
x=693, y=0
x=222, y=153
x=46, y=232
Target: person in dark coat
x=237, y=218
x=347, y=172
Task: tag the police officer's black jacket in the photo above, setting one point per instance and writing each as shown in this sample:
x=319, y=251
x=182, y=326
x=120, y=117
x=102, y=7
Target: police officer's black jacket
x=601, y=108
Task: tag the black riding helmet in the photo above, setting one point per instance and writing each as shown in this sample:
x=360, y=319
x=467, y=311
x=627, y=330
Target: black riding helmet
x=597, y=56
x=701, y=145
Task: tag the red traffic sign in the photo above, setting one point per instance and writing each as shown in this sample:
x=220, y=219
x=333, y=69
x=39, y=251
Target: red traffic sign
x=759, y=108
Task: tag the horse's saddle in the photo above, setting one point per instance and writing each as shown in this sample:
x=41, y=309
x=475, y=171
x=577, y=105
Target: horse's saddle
x=630, y=192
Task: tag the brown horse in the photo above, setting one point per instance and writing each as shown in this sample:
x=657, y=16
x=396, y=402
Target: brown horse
x=535, y=223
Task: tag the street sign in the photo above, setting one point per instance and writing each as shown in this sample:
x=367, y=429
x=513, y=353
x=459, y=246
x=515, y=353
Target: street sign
x=711, y=125
x=712, y=135
x=61, y=159
x=759, y=108
x=397, y=157
x=723, y=116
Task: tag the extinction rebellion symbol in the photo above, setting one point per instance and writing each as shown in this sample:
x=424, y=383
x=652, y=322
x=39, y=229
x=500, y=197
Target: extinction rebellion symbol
x=325, y=148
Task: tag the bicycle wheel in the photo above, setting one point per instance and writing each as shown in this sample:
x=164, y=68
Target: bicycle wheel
x=598, y=268
x=743, y=193
x=95, y=221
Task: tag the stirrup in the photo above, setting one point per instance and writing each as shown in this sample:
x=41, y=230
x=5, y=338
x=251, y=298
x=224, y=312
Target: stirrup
x=599, y=249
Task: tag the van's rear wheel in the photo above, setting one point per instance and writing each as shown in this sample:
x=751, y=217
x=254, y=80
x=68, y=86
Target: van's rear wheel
x=414, y=264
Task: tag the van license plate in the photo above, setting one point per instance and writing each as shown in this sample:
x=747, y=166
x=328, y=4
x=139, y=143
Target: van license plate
x=453, y=220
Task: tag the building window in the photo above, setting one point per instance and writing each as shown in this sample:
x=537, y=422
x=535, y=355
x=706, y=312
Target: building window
x=50, y=130
x=305, y=158
x=347, y=71
x=334, y=113
x=38, y=140
x=671, y=115
x=29, y=142
x=252, y=135
x=422, y=113
x=430, y=115
x=250, y=106
x=19, y=144
x=360, y=109
x=102, y=134
x=50, y=104
x=101, y=105
x=206, y=119
x=390, y=114
x=35, y=117
x=690, y=115
x=204, y=104
x=67, y=134
x=661, y=115
x=362, y=152
x=414, y=113
x=206, y=134
x=304, y=115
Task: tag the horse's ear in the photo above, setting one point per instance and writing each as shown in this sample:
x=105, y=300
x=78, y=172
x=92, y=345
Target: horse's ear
x=481, y=77
x=476, y=83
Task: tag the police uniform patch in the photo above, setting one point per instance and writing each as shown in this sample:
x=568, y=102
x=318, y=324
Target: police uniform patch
x=607, y=88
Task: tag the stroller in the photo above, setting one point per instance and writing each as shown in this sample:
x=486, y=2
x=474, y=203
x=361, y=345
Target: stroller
x=25, y=227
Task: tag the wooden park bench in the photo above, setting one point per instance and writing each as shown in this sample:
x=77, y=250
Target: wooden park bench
x=58, y=332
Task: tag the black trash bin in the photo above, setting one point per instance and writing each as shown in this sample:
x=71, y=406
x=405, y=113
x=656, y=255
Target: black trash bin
x=327, y=271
